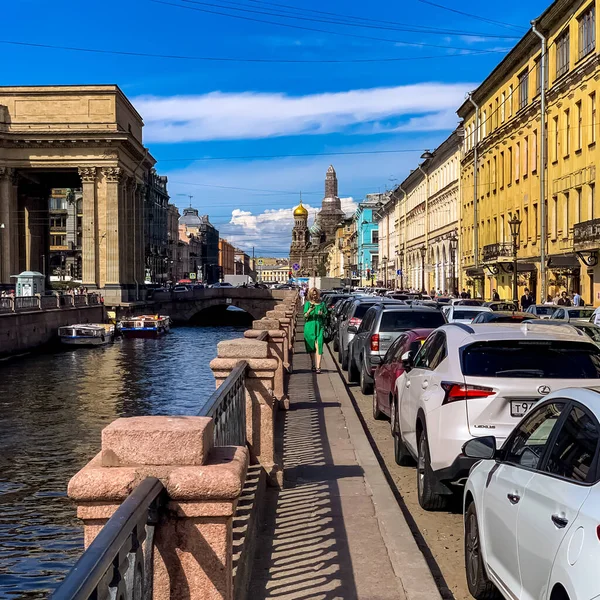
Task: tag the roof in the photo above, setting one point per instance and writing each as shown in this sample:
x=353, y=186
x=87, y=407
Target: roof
x=190, y=217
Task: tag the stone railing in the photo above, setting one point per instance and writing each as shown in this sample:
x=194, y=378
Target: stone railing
x=159, y=500
x=12, y=304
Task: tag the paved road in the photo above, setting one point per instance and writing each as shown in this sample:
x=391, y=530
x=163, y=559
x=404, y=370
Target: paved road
x=438, y=533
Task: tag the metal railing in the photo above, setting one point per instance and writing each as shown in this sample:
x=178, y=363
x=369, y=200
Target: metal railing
x=11, y=304
x=6, y=305
x=119, y=562
x=227, y=408
x=492, y=252
x=79, y=300
x=65, y=301
x=48, y=302
x=27, y=303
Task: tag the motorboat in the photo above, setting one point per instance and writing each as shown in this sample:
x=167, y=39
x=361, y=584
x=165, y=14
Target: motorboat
x=87, y=334
x=145, y=326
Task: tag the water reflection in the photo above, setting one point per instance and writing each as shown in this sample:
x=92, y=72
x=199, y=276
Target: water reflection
x=54, y=407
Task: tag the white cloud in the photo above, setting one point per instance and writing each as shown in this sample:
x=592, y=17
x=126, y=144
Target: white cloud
x=252, y=115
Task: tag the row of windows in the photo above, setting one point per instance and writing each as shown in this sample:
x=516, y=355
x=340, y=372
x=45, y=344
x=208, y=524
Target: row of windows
x=501, y=109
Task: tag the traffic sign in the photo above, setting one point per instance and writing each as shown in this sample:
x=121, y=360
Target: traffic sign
x=260, y=262
x=296, y=267
x=399, y=272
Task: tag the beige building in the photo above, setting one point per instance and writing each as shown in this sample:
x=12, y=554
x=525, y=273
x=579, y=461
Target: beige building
x=427, y=218
x=87, y=137
x=386, y=218
x=274, y=273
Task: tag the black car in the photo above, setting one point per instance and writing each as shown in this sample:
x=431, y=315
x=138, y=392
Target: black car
x=502, y=316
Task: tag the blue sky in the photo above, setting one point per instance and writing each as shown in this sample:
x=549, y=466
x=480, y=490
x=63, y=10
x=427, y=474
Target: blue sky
x=194, y=109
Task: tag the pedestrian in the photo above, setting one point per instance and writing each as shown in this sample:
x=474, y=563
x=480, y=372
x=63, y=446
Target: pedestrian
x=527, y=299
x=464, y=294
x=564, y=300
x=577, y=299
x=495, y=296
x=302, y=294
x=315, y=315
x=549, y=301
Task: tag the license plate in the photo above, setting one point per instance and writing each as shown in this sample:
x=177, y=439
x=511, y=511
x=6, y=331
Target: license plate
x=518, y=408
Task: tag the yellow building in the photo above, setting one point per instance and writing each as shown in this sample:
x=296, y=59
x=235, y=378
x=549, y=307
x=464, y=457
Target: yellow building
x=505, y=132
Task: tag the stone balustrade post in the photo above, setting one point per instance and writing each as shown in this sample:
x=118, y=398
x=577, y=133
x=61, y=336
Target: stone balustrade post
x=286, y=324
x=278, y=348
x=39, y=301
x=193, y=541
x=260, y=400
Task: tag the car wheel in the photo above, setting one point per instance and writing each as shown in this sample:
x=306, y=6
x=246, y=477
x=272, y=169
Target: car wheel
x=336, y=344
x=377, y=414
x=401, y=454
x=366, y=387
x=428, y=498
x=480, y=586
x=344, y=359
x=353, y=374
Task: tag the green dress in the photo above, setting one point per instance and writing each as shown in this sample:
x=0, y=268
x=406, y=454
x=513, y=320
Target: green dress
x=314, y=326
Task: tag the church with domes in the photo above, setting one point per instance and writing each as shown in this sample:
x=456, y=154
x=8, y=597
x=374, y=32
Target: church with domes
x=310, y=245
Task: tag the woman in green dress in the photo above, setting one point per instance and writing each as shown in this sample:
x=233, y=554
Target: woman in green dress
x=315, y=315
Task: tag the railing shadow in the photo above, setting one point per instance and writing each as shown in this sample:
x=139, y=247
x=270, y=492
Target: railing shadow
x=303, y=548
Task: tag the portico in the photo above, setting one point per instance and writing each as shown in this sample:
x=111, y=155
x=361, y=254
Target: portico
x=74, y=136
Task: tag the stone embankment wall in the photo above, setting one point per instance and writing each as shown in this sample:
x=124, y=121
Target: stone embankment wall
x=23, y=331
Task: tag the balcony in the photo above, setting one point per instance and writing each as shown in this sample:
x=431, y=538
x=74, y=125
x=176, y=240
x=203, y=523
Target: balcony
x=586, y=235
x=499, y=250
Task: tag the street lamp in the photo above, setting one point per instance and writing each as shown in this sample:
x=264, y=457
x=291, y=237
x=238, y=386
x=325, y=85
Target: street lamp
x=401, y=268
x=515, y=228
x=423, y=252
x=384, y=262
x=453, y=250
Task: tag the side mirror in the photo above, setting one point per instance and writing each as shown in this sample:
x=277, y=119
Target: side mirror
x=407, y=360
x=352, y=329
x=480, y=448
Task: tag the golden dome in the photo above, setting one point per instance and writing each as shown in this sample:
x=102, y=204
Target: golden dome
x=300, y=211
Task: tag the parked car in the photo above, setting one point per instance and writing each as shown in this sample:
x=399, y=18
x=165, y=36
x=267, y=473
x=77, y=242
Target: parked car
x=334, y=320
x=459, y=313
x=541, y=311
x=466, y=302
x=501, y=317
x=381, y=325
x=532, y=507
x=181, y=289
x=467, y=381
x=505, y=305
x=573, y=313
x=222, y=284
x=391, y=368
x=352, y=317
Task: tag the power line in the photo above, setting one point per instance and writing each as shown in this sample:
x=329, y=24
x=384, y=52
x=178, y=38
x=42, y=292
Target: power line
x=339, y=33
x=235, y=60
x=258, y=157
x=387, y=27
x=472, y=16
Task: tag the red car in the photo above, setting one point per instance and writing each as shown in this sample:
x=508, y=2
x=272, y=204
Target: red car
x=391, y=368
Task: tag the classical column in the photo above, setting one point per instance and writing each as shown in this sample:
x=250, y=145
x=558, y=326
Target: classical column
x=90, y=259
x=8, y=225
x=127, y=234
x=140, y=238
x=114, y=217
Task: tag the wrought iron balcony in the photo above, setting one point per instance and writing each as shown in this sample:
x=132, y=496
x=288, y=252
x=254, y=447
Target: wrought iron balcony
x=586, y=235
x=492, y=252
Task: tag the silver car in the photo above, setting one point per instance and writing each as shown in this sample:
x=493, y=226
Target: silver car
x=573, y=313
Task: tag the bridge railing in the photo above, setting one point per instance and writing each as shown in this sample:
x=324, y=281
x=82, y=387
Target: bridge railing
x=11, y=304
x=119, y=562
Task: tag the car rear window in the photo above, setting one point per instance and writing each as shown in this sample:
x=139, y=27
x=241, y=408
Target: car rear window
x=509, y=319
x=544, y=310
x=552, y=359
x=465, y=314
x=581, y=314
x=362, y=308
x=403, y=320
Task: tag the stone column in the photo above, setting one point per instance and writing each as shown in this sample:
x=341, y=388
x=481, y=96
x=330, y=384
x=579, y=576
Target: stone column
x=90, y=262
x=113, y=206
x=287, y=324
x=140, y=239
x=260, y=401
x=8, y=217
x=193, y=539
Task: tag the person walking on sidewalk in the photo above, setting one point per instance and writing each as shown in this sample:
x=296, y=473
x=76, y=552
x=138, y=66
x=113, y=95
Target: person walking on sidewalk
x=315, y=315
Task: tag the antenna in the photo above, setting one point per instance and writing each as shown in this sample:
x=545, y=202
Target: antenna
x=188, y=196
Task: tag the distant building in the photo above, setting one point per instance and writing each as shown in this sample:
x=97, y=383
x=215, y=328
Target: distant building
x=156, y=228
x=175, y=269
x=226, y=258
x=194, y=225
x=274, y=273
x=65, y=213
x=367, y=239
x=244, y=264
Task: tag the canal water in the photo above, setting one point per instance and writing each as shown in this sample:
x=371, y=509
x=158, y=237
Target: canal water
x=53, y=407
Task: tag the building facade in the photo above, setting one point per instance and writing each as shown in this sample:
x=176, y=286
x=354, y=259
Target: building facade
x=388, y=242
x=198, y=228
x=277, y=273
x=310, y=246
x=156, y=208
x=174, y=269
x=226, y=258
x=504, y=134
x=367, y=240
x=65, y=212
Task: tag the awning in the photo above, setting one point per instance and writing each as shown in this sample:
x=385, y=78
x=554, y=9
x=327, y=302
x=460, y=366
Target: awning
x=525, y=267
x=475, y=272
x=563, y=261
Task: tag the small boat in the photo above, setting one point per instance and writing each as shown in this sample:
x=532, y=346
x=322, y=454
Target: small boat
x=87, y=334
x=145, y=326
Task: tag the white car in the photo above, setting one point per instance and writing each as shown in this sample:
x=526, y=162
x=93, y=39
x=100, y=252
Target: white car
x=475, y=380
x=532, y=508
x=463, y=314
x=575, y=313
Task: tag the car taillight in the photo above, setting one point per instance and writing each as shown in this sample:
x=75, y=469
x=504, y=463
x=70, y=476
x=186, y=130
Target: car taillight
x=460, y=391
x=375, y=342
x=355, y=321
x=598, y=532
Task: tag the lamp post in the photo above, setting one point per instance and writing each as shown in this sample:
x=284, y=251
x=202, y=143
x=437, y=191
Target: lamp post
x=423, y=251
x=401, y=269
x=515, y=228
x=384, y=263
x=453, y=251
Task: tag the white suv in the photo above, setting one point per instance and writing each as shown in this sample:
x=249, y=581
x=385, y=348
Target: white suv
x=475, y=380
x=532, y=508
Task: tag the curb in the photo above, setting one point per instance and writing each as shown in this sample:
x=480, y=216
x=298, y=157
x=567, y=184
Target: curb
x=407, y=560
